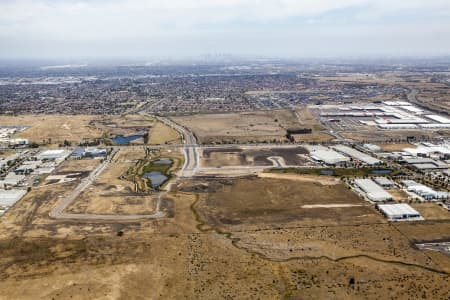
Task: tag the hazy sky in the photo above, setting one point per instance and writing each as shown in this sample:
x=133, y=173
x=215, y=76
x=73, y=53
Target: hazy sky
x=292, y=28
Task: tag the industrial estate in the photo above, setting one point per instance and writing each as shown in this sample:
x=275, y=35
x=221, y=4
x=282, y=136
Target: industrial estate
x=255, y=180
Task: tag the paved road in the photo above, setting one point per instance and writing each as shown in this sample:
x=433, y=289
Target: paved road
x=191, y=154
x=189, y=168
x=277, y=161
x=443, y=247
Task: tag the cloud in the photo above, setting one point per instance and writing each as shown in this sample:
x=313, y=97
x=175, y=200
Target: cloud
x=143, y=22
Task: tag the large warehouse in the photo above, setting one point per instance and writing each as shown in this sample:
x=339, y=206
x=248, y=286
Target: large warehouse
x=357, y=155
x=399, y=211
x=328, y=156
x=372, y=190
x=9, y=197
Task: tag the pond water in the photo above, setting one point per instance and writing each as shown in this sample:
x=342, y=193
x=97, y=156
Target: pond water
x=163, y=161
x=381, y=172
x=156, y=178
x=123, y=140
x=326, y=172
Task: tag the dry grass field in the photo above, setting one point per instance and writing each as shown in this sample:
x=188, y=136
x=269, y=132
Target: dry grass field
x=172, y=259
x=276, y=202
x=218, y=157
x=57, y=128
x=54, y=129
x=114, y=192
x=240, y=127
x=432, y=211
x=161, y=134
x=308, y=120
x=158, y=133
x=396, y=146
x=398, y=195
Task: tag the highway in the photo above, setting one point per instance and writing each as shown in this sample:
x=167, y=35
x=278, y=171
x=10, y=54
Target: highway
x=190, y=148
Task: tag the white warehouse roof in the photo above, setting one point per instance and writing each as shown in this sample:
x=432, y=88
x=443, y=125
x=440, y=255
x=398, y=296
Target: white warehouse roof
x=53, y=154
x=328, y=156
x=357, y=155
x=399, y=211
x=439, y=119
x=373, y=191
x=383, y=181
x=9, y=197
x=397, y=126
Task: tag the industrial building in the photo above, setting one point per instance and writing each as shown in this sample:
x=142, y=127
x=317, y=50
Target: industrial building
x=357, y=155
x=92, y=152
x=372, y=190
x=328, y=156
x=425, y=164
x=390, y=115
x=372, y=147
x=53, y=155
x=11, y=180
x=424, y=191
x=9, y=197
x=386, y=183
x=399, y=211
x=430, y=150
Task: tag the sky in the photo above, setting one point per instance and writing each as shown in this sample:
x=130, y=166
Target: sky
x=145, y=29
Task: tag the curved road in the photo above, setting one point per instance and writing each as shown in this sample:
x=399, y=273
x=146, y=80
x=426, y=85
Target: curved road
x=189, y=168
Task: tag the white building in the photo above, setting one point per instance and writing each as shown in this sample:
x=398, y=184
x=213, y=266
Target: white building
x=58, y=155
x=11, y=180
x=372, y=190
x=372, y=147
x=328, y=156
x=424, y=191
x=399, y=211
x=9, y=197
x=357, y=155
x=384, y=182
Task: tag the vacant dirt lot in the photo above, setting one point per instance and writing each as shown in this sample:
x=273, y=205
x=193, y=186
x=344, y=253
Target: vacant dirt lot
x=308, y=120
x=399, y=195
x=432, y=211
x=161, y=134
x=280, y=201
x=240, y=127
x=216, y=157
x=396, y=147
x=171, y=259
x=126, y=125
x=55, y=128
x=111, y=193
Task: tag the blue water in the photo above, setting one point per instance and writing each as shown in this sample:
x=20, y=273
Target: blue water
x=156, y=178
x=327, y=172
x=123, y=140
x=381, y=172
x=162, y=161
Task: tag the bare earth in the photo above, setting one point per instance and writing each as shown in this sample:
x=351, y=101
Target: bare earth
x=250, y=238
